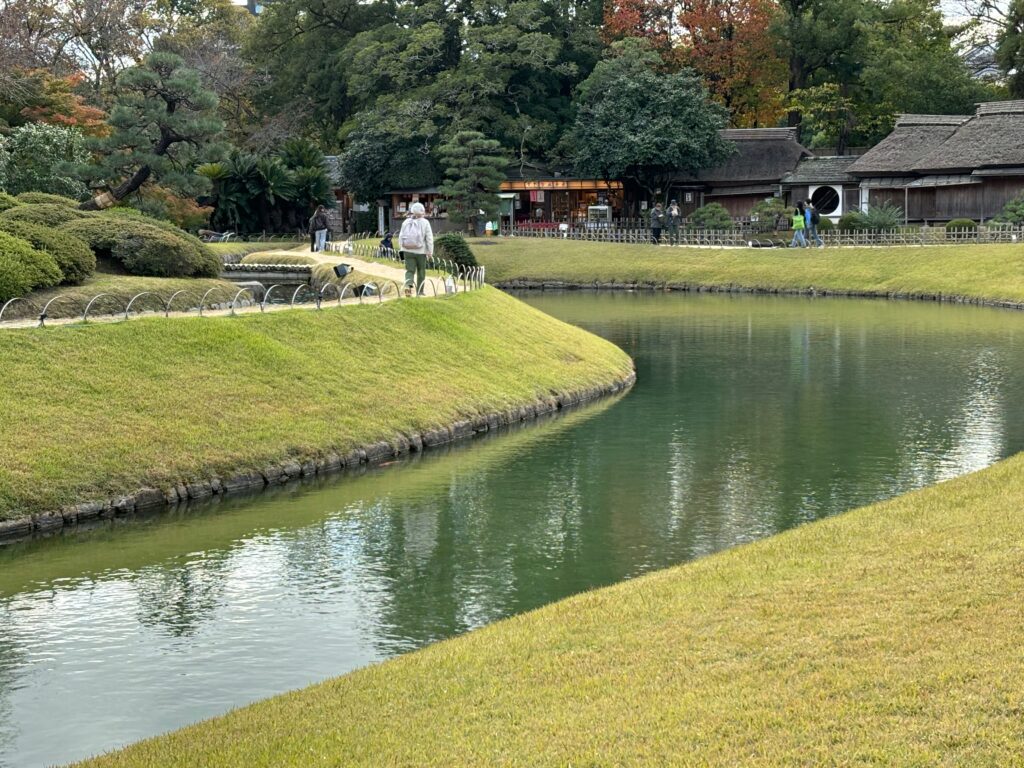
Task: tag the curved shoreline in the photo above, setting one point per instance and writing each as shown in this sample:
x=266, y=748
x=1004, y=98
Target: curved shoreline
x=248, y=480
x=522, y=284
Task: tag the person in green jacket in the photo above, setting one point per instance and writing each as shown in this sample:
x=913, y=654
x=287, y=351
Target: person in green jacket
x=798, y=229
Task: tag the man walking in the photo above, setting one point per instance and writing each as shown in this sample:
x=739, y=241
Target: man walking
x=812, y=219
x=675, y=217
x=657, y=223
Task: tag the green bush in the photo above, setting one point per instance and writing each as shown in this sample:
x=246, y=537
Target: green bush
x=825, y=225
x=7, y=201
x=962, y=224
x=23, y=268
x=711, y=216
x=44, y=198
x=72, y=254
x=453, y=246
x=117, y=236
x=98, y=234
x=852, y=220
x=146, y=250
x=48, y=214
x=884, y=216
x=769, y=212
x=1012, y=213
x=277, y=258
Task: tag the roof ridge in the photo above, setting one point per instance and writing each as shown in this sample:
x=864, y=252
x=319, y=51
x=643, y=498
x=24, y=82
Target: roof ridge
x=1008, y=107
x=758, y=133
x=909, y=119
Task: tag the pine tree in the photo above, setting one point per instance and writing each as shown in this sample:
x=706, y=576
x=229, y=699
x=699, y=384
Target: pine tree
x=163, y=126
x=474, y=169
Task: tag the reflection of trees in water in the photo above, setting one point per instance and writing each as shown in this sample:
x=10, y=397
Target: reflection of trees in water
x=179, y=597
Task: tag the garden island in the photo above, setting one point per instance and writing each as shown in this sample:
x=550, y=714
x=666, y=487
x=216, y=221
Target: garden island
x=511, y=383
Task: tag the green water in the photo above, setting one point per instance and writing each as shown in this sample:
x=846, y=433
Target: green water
x=750, y=416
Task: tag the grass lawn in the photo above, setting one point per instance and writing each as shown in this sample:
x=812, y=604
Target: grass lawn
x=240, y=248
x=885, y=636
x=122, y=288
x=91, y=411
x=993, y=272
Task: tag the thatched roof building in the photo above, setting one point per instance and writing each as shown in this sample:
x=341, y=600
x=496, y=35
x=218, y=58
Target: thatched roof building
x=755, y=170
x=942, y=167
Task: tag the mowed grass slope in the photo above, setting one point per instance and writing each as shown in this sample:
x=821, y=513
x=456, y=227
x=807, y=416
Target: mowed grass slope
x=991, y=272
x=90, y=411
x=886, y=636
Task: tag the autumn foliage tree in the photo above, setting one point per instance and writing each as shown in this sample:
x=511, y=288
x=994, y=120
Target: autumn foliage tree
x=726, y=42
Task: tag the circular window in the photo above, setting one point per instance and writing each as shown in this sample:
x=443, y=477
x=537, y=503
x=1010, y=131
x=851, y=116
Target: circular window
x=826, y=200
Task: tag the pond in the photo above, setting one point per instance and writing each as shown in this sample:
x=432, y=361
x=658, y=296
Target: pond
x=751, y=415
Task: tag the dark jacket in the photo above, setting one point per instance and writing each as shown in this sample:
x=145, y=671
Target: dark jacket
x=317, y=222
x=658, y=218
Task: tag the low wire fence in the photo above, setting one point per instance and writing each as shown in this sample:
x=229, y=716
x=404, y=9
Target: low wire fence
x=744, y=238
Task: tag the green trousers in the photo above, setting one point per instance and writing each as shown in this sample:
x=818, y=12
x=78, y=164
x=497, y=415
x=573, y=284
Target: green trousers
x=415, y=270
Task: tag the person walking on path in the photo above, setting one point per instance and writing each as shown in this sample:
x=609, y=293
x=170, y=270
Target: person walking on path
x=318, y=229
x=799, y=224
x=657, y=223
x=812, y=218
x=416, y=243
x=675, y=217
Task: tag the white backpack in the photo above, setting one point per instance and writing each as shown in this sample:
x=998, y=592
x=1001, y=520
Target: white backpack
x=410, y=237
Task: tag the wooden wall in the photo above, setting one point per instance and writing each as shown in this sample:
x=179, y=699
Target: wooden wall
x=979, y=202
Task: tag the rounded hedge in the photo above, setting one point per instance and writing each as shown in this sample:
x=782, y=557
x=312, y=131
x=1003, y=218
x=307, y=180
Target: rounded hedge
x=7, y=201
x=48, y=214
x=962, y=224
x=825, y=225
x=453, y=246
x=72, y=254
x=852, y=220
x=43, y=198
x=118, y=237
x=23, y=268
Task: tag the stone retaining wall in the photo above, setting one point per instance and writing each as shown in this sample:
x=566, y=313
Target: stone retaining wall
x=248, y=479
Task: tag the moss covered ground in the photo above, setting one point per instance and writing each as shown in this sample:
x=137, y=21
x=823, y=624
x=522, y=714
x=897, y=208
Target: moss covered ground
x=90, y=411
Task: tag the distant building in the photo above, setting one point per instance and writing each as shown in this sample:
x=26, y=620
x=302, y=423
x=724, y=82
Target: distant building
x=942, y=167
x=826, y=182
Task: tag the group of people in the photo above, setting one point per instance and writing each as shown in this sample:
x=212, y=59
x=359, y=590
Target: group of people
x=662, y=219
x=805, y=226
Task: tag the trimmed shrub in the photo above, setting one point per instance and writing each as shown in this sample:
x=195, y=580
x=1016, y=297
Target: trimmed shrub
x=825, y=225
x=49, y=214
x=117, y=237
x=852, y=220
x=1012, y=213
x=771, y=214
x=72, y=254
x=277, y=258
x=44, y=198
x=962, y=224
x=711, y=216
x=453, y=246
x=146, y=250
x=23, y=268
x=7, y=201
x=98, y=234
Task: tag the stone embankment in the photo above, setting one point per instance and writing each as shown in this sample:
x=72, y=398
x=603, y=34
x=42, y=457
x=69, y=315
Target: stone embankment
x=250, y=479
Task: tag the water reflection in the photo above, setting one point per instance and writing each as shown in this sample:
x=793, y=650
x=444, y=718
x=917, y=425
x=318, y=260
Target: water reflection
x=750, y=416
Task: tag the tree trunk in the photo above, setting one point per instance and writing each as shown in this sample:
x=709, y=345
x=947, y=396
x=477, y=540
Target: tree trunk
x=121, y=191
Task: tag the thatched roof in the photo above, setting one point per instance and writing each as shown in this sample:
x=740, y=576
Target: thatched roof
x=993, y=138
x=913, y=137
x=762, y=155
x=822, y=170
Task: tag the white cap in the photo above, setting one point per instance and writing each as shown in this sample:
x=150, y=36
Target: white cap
x=417, y=209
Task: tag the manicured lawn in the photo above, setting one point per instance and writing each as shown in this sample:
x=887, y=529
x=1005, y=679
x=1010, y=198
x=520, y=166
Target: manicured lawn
x=993, y=272
x=886, y=636
x=240, y=248
x=91, y=411
x=121, y=289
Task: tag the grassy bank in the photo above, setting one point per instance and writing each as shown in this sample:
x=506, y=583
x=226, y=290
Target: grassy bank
x=885, y=636
x=92, y=411
x=993, y=272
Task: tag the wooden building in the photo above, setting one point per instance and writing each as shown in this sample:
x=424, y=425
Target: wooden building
x=763, y=157
x=942, y=167
x=826, y=182
x=534, y=195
